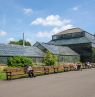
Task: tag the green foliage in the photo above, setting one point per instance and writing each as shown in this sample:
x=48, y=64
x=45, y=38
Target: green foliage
x=2, y=75
x=20, y=42
x=19, y=61
x=49, y=59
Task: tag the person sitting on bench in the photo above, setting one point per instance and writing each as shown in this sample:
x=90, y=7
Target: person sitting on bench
x=30, y=71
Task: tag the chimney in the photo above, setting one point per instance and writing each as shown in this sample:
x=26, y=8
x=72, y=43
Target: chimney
x=23, y=40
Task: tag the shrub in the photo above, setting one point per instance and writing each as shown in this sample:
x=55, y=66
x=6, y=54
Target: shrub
x=3, y=67
x=49, y=59
x=19, y=61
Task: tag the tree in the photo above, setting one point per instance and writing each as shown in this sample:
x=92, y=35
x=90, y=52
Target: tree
x=20, y=42
x=19, y=61
x=49, y=59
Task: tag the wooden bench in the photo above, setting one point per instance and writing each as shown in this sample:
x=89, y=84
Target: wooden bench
x=66, y=68
x=93, y=65
x=14, y=72
x=60, y=68
x=72, y=67
x=50, y=69
x=38, y=70
x=46, y=70
x=55, y=69
x=83, y=66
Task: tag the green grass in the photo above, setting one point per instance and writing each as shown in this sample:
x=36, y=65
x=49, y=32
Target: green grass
x=2, y=75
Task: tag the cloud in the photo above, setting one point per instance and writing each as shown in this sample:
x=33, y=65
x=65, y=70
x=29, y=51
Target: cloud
x=28, y=11
x=56, y=21
x=3, y=33
x=76, y=8
x=48, y=34
x=51, y=20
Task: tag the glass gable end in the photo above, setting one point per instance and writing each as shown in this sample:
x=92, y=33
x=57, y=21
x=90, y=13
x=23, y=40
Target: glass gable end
x=68, y=35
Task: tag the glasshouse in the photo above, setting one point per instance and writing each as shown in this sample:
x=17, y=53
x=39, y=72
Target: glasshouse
x=72, y=45
x=7, y=50
x=37, y=52
x=64, y=53
x=78, y=40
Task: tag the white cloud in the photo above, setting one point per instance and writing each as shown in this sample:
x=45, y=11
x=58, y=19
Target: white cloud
x=55, y=30
x=3, y=33
x=51, y=20
x=28, y=11
x=76, y=8
x=56, y=21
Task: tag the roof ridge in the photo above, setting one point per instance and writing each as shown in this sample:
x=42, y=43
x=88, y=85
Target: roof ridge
x=14, y=45
x=68, y=30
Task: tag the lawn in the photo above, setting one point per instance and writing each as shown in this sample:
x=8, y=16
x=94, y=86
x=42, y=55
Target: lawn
x=2, y=75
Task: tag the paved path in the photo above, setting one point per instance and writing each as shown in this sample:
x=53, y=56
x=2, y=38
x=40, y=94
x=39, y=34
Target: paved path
x=69, y=84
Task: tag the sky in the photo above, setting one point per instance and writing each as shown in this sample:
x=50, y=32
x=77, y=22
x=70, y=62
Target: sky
x=40, y=19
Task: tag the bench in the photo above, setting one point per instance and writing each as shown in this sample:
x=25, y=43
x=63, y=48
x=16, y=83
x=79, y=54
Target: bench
x=55, y=69
x=66, y=68
x=46, y=70
x=72, y=67
x=14, y=72
x=50, y=69
x=93, y=65
x=38, y=70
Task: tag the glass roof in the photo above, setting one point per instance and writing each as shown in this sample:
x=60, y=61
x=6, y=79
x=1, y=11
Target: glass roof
x=70, y=41
x=85, y=37
x=14, y=50
x=60, y=50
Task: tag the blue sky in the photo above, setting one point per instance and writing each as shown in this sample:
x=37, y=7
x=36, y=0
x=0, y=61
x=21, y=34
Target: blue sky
x=39, y=19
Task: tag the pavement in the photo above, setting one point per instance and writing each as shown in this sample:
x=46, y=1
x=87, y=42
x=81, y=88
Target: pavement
x=67, y=84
